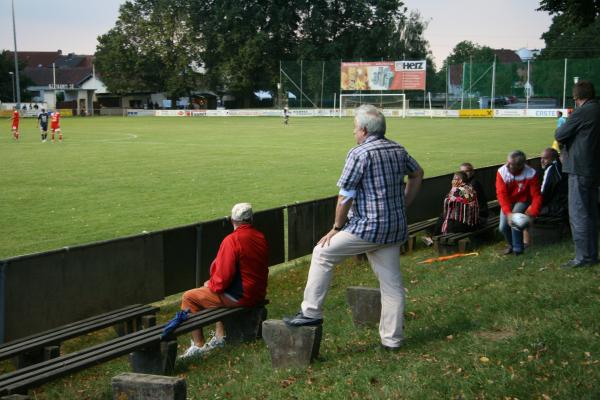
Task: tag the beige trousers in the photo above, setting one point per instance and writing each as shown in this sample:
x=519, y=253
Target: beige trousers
x=385, y=262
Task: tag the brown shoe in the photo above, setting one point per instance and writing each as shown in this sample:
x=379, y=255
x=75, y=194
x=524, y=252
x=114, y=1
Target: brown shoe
x=508, y=250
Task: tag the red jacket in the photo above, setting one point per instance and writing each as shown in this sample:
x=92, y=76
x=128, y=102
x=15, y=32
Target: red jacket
x=511, y=189
x=241, y=268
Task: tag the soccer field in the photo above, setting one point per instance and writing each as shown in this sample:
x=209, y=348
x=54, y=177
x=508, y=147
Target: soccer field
x=116, y=176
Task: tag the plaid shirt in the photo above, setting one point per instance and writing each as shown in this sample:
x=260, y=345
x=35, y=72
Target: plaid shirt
x=376, y=170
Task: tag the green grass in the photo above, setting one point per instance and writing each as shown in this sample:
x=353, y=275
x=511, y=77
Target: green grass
x=536, y=324
x=119, y=176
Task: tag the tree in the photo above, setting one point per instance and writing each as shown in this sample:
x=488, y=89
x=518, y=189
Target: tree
x=7, y=65
x=161, y=45
x=575, y=29
x=152, y=47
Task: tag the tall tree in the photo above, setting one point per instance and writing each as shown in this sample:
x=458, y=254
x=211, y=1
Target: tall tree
x=575, y=29
x=7, y=65
x=152, y=47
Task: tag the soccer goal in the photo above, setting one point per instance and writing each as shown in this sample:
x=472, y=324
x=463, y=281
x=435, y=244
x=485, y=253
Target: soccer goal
x=393, y=104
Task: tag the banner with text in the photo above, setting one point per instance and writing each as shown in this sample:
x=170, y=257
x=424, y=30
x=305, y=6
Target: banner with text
x=383, y=75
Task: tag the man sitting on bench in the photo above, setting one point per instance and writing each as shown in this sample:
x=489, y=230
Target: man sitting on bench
x=238, y=278
x=518, y=191
x=554, y=185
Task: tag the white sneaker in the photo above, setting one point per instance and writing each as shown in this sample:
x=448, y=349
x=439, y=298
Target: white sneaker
x=215, y=342
x=195, y=351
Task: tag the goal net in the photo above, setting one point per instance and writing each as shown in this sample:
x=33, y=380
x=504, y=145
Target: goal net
x=392, y=104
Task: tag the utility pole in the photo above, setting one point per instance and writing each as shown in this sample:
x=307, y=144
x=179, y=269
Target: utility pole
x=16, y=59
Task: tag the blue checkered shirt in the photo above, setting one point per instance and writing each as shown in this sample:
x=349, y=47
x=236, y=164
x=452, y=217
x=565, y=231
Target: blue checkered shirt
x=376, y=170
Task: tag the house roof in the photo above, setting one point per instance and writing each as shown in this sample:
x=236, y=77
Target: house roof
x=505, y=56
x=37, y=59
x=45, y=59
x=64, y=76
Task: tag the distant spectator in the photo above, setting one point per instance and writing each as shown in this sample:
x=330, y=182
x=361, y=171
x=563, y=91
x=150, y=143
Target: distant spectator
x=554, y=185
x=518, y=191
x=238, y=277
x=579, y=138
x=467, y=168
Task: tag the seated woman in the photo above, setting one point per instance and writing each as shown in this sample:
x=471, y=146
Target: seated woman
x=461, y=209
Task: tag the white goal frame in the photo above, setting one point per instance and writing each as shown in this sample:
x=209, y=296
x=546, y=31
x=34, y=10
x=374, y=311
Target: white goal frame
x=372, y=95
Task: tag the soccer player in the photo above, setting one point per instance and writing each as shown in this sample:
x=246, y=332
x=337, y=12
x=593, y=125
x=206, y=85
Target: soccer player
x=559, y=122
x=55, y=125
x=286, y=115
x=43, y=122
x=15, y=123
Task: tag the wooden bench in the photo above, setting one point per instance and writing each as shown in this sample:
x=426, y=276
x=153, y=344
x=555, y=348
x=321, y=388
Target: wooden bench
x=46, y=345
x=549, y=230
x=415, y=228
x=149, y=353
x=463, y=242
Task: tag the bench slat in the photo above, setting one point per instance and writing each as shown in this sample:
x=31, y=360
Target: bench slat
x=38, y=374
x=56, y=336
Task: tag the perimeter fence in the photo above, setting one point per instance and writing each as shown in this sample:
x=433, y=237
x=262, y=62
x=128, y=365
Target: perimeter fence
x=522, y=85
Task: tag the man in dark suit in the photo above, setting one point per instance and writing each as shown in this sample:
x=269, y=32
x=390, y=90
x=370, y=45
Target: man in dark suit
x=579, y=139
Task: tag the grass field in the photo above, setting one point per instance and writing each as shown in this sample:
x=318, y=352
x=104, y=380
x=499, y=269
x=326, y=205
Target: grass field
x=117, y=176
x=484, y=327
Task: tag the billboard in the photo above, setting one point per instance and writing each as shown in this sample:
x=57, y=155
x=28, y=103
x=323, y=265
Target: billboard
x=383, y=75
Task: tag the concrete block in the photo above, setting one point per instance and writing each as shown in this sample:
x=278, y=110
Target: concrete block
x=246, y=326
x=365, y=304
x=291, y=347
x=132, y=386
x=158, y=359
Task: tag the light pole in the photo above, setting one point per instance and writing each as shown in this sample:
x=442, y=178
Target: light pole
x=16, y=59
x=12, y=78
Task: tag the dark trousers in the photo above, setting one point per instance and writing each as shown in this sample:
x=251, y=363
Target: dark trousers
x=583, y=216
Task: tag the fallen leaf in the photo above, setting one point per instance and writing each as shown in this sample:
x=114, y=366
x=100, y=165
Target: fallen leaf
x=484, y=359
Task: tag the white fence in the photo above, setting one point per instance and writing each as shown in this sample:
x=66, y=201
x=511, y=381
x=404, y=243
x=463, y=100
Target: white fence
x=329, y=112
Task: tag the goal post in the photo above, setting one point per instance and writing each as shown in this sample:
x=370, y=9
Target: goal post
x=394, y=102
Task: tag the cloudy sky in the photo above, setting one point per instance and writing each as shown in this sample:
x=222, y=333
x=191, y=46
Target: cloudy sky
x=74, y=25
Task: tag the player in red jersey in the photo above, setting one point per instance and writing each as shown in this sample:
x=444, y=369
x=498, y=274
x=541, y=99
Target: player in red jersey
x=15, y=124
x=55, y=125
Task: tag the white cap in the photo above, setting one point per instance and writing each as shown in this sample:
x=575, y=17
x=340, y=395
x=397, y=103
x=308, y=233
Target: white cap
x=241, y=212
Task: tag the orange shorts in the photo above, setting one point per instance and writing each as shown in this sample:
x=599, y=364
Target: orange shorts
x=201, y=298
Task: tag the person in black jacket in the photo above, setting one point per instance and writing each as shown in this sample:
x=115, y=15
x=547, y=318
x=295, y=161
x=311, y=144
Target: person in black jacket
x=579, y=140
x=554, y=185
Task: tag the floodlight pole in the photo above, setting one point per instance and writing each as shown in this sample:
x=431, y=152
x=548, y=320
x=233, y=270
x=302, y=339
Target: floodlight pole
x=12, y=77
x=16, y=58
x=322, y=80
x=493, y=83
x=470, y=80
x=565, y=86
x=527, y=88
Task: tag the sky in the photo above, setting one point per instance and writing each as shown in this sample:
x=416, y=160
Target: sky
x=74, y=25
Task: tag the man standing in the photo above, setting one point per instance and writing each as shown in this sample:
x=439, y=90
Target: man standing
x=55, y=125
x=15, y=124
x=238, y=277
x=518, y=191
x=559, y=122
x=370, y=218
x=43, y=122
x=580, y=141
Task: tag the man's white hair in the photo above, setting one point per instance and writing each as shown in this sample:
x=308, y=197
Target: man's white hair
x=242, y=212
x=371, y=119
